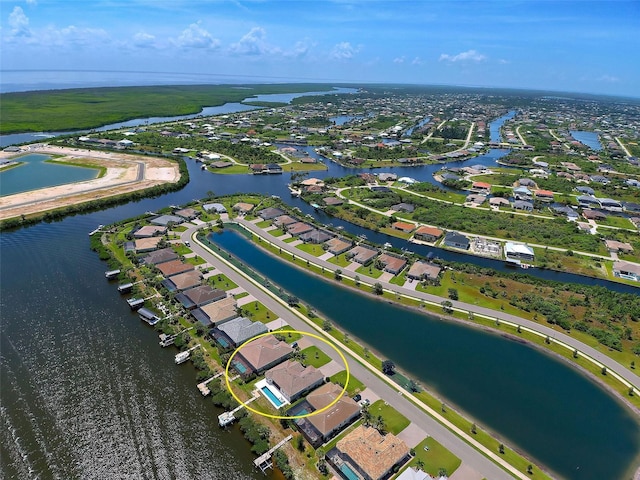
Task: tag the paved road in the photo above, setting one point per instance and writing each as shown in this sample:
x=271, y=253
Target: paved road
x=611, y=364
x=374, y=380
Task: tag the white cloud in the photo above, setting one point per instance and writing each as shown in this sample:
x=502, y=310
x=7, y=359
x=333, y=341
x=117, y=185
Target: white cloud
x=399, y=60
x=144, y=40
x=253, y=43
x=344, y=51
x=32, y=2
x=74, y=36
x=608, y=79
x=19, y=23
x=417, y=61
x=194, y=36
x=300, y=49
x=468, y=56
x=502, y=61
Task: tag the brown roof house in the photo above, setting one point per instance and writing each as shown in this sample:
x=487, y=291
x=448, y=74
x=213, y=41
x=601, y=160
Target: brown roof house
x=420, y=270
x=392, y=263
x=615, y=246
x=147, y=244
x=160, y=256
x=325, y=425
x=427, y=234
x=264, y=353
x=216, y=313
x=294, y=379
x=299, y=228
x=403, y=226
x=371, y=454
x=199, y=296
x=149, y=231
x=242, y=207
x=362, y=254
x=337, y=246
x=183, y=281
x=284, y=220
x=174, y=267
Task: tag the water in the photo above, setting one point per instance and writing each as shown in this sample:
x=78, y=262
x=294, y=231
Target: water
x=496, y=125
x=535, y=401
x=35, y=173
x=287, y=97
x=342, y=119
x=421, y=123
x=590, y=139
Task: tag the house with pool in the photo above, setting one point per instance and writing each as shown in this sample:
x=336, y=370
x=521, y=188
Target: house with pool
x=237, y=331
x=262, y=354
x=293, y=379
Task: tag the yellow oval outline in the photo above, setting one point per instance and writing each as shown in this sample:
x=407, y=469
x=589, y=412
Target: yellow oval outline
x=281, y=417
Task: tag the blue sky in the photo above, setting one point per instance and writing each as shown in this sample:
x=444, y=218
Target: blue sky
x=583, y=46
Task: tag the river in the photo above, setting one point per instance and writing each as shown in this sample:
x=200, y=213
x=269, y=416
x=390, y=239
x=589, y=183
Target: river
x=87, y=392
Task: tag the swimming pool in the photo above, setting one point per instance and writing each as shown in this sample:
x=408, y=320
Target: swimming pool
x=222, y=342
x=348, y=472
x=239, y=367
x=269, y=394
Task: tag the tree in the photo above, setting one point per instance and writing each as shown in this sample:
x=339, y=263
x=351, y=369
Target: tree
x=501, y=449
x=453, y=294
x=337, y=274
x=447, y=306
x=388, y=367
x=413, y=386
x=377, y=288
x=529, y=469
x=326, y=325
x=474, y=428
x=357, y=280
x=420, y=464
x=365, y=352
x=292, y=300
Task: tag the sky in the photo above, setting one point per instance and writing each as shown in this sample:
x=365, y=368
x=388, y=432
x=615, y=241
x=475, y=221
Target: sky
x=582, y=46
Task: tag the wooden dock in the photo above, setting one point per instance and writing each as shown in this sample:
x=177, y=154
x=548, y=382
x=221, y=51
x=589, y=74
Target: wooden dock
x=227, y=418
x=202, y=386
x=264, y=461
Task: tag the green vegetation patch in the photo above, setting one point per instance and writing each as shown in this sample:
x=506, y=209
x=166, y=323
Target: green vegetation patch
x=355, y=385
x=433, y=458
x=315, y=357
x=394, y=421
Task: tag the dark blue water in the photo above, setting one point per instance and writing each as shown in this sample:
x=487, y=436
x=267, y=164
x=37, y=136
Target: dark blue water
x=545, y=407
x=496, y=125
x=287, y=97
x=421, y=123
x=35, y=173
x=590, y=139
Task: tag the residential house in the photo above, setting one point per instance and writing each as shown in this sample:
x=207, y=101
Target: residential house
x=315, y=236
x=298, y=228
x=216, y=313
x=215, y=207
x=265, y=353
x=182, y=281
x=337, y=245
x=237, y=331
x=421, y=270
x=544, y=195
x=481, y=187
x=361, y=254
x=149, y=231
x=616, y=246
x=294, y=379
x=599, y=179
x=523, y=205
x=526, y=182
x=522, y=193
x=165, y=220
x=273, y=168
x=160, y=256
x=427, y=234
x=587, y=201
x=593, y=215
x=146, y=244
x=403, y=207
x=372, y=454
x=476, y=199
x=270, y=213
x=456, y=240
x=518, y=251
x=174, y=267
x=387, y=177
x=199, y=296
x=187, y=213
x=610, y=204
x=403, y=226
x=284, y=220
x=392, y=263
x=332, y=201
x=626, y=270
x=380, y=189
x=414, y=474
x=322, y=427
x=498, y=202
x=586, y=190
x=243, y=208
x=566, y=210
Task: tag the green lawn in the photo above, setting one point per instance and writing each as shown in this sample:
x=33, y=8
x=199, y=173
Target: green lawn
x=222, y=282
x=315, y=356
x=257, y=312
x=340, y=260
x=180, y=248
x=400, y=279
x=276, y=232
x=290, y=240
x=435, y=457
x=355, y=385
x=264, y=224
x=178, y=228
x=288, y=337
x=194, y=260
x=311, y=248
x=369, y=271
x=231, y=170
x=394, y=421
x=238, y=296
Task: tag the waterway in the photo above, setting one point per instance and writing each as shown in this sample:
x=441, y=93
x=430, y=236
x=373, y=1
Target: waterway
x=538, y=403
x=36, y=173
x=496, y=125
x=88, y=393
x=590, y=139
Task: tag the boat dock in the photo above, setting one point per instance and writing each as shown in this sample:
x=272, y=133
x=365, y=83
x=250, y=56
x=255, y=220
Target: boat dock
x=264, y=461
x=227, y=418
x=166, y=340
x=182, y=357
x=135, y=303
x=202, y=386
x=93, y=232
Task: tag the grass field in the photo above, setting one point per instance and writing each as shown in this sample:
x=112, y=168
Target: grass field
x=221, y=281
x=435, y=458
x=315, y=356
x=312, y=248
x=394, y=421
x=355, y=385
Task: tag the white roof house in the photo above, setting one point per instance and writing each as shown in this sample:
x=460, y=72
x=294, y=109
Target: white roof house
x=518, y=250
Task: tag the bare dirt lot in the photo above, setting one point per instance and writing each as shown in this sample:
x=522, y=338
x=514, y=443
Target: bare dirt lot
x=124, y=173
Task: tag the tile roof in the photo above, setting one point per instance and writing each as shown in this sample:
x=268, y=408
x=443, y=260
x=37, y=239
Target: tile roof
x=338, y=414
x=292, y=378
x=264, y=351
x=174, y=267
x=242, y=329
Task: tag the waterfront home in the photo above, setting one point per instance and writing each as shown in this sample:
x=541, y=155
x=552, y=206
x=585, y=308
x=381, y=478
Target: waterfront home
x=315, y=236
x=149, y=231
x=270, y=213
x=337, y=245
x=258, y=168
x=476, y=199
x=403, y=207
x=544, y=195
x=392, y=264
x=174, y=267
x=522, y=193
x=182, y=281
x=626, y=270
x=498, y=202
x=143, y=245
x=332, y=201
x=523, y=205
x=294, y=379
x=372, y=454
x=593, y=215
x=273, y=168
x=243, y=208
x=414, y=474
x=160, y=256
x=216, y=313
x=403, y=226
x=216, y=207
x=481, y=187
x=167, y=219
x=198, y=296
x=421, y=270
x=427, y=234
x=517, y=251
x=322, y=427
x=362, y=254
x=264, y=353
x=237, y=331
x=298, y=228
x=615, y=246
x=456, y=240
x=284, y=220
x=187, y=213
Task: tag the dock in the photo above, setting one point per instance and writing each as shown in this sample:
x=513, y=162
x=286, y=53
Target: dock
x=264, y=461
x=111, y=274
x=184, y=356
x=202, y=386
x=135, y=303
x=166, y=340
x=227, y=418
x=125, y=287
x=93, y=232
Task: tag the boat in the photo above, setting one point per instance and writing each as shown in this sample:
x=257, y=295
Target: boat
x=387, y=245
x=111, y=274
x=182, y=357
x=316, y=206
